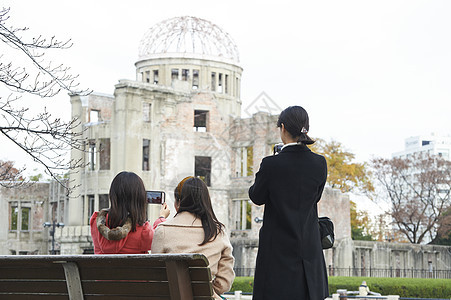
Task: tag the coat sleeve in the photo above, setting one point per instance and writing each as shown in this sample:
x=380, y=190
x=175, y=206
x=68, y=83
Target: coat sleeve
x=321, y=187
x=259, y=192
x=224, y=278
x=157, y=222
x=158, y=240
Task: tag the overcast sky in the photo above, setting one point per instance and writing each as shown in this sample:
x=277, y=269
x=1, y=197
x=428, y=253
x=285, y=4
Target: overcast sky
x=369, y=73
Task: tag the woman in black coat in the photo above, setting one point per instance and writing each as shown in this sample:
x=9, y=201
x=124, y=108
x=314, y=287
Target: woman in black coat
x=290, y=260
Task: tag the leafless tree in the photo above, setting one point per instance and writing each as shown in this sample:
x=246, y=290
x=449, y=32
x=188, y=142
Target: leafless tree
x=25, y=71
x=418, y=188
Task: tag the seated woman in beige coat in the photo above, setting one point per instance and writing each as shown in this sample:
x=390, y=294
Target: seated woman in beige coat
x=195, y=229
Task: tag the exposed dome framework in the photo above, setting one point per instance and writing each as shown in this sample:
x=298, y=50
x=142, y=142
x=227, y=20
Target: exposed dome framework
x=188, y=35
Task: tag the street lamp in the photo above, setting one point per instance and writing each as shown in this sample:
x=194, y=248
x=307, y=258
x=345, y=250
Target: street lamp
x=52, y=233
x=258, y=220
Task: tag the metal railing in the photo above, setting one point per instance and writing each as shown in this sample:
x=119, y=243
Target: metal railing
x=391, y=272
x=371, y=272
x=240, y=272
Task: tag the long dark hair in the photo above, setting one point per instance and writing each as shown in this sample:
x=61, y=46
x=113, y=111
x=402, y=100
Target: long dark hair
x=191, y=195
x=128, y=199
x=294, y=119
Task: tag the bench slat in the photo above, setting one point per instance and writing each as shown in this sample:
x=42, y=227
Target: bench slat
x=31, y=272
x=125, y=288
x=35, y=286
x=141, y=273
x=33, y=296
x=128, y=297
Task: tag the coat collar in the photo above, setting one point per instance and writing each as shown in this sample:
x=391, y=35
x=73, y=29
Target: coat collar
x=184, y=219
x=295, y=148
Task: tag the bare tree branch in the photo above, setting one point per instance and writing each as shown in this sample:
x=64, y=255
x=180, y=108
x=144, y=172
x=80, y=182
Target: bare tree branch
x=44, y=138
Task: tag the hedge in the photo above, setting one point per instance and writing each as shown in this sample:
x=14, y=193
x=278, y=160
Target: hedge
x=404, y=287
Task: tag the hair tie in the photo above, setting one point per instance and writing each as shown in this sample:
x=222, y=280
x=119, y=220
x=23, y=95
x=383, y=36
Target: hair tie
x=303, y=130
x=181, y=183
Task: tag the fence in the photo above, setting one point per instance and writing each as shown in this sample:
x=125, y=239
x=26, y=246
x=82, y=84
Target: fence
x=371, y=272
x=391, y=272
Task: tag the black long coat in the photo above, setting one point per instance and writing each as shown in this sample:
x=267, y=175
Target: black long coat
x=290, y=260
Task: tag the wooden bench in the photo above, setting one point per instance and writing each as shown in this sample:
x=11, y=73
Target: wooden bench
x=75, y=277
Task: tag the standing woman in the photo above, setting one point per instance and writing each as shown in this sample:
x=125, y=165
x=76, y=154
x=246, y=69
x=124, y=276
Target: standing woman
x=195, y=229
x=290, y=261
x=123, y=229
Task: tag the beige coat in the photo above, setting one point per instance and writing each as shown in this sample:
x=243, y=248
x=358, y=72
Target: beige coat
x=183, y=234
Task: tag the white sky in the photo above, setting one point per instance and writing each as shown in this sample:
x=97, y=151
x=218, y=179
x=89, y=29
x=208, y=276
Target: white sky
x=369, y=73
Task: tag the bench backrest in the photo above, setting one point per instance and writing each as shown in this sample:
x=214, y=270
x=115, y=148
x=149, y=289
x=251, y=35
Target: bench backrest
x=155, y=276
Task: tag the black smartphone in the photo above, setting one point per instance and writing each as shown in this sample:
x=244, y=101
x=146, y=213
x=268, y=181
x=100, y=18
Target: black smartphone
x=155, y=197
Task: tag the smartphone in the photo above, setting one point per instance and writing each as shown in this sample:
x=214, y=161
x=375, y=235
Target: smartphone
x=156, y=197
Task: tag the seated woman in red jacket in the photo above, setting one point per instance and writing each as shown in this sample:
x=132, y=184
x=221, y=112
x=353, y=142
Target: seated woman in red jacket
x=123, y=229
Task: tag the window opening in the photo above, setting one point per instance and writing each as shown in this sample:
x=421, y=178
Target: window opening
x=213, y=81
x=202, y=168
x=155, y=76
x=25, y=212
x=146, y=152
x=226, y=84
x=185, y=74
x=147, y=79
x=104, y=154
x=220, y=82
x=91, y=208
x=92, y=155
x=174, y=74
x=242, y=214
x=200, y=120
x=14, y=216
x=146, y=111
x=246, y=159
x=94, y=116
x=195, y=79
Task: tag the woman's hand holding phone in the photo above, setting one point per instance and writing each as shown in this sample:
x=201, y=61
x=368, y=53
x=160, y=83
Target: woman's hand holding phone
x=164, y=210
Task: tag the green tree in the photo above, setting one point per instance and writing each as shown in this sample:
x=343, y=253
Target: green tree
x=343, y=173
x=37, y=176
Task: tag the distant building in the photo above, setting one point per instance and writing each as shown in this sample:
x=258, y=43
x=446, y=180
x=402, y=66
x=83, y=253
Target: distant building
x=432, y=144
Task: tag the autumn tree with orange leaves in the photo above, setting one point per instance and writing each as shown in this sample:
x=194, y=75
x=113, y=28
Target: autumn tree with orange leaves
x=343, y=172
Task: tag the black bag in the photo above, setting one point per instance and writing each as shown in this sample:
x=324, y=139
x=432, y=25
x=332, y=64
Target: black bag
x=326, y=230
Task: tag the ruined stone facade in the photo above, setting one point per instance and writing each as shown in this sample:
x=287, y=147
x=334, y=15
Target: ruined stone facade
x=23, y=212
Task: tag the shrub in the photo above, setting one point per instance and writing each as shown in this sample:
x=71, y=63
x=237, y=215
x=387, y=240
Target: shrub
x=244, y=284
x=404, y=287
